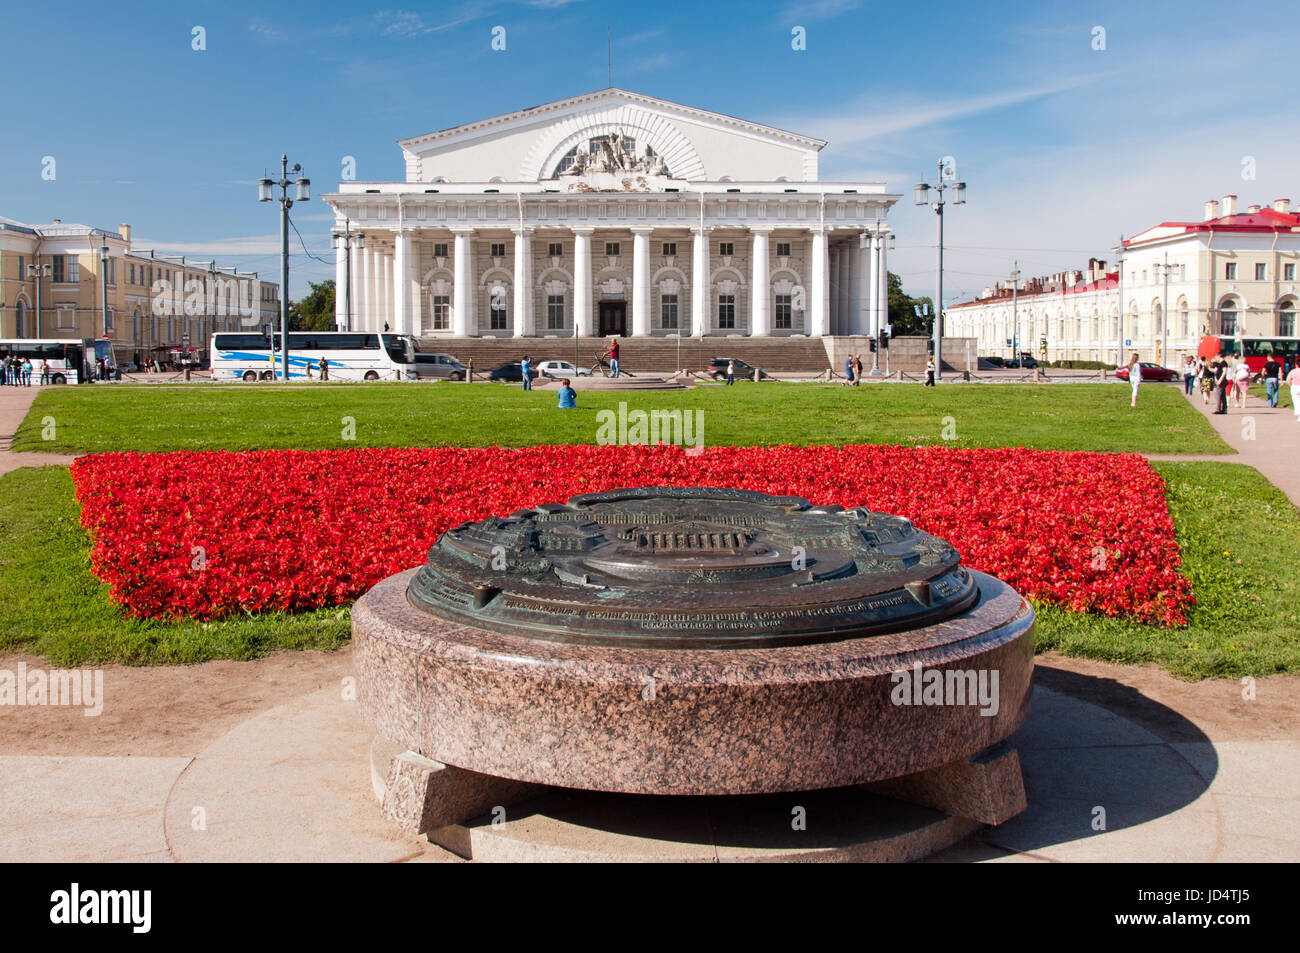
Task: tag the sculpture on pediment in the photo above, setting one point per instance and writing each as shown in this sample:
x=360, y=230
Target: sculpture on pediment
x=611, y=154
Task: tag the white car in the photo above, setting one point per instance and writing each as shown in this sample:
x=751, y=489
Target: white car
x=560, y=369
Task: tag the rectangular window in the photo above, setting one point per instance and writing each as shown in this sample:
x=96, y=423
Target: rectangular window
x=60, y=268
x=1230, y=271
x=726, y=249
x=130, y=274
x=668, y=311
x=726, y=311
x=784, y=311
x=611, y=249
x=554, y=312
x=439, y=249
x=66, y=318
x=108, y=320
x=1288, y=272
x=555, y=249
x=498, y=249
x=1259, y=271
x=783, y=249
x=441, y=311
x=670, y=251
x=22, y=268
x=112, y=271
x=497, y=312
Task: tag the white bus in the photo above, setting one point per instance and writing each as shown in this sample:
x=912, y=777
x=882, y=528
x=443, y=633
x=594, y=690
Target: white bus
x=71, y=360
x=351, y=356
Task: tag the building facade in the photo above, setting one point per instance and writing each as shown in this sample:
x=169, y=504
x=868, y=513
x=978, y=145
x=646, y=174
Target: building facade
x=1230, y=273
x=153, y=301
x=612, y=213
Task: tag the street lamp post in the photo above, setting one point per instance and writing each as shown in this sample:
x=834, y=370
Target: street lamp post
x=1164, y=317
x=103, y=284
x=1119, y=285
x=37, y=272
x=265, y=193
x=886, y=243
x=943, y=182
x=1015, y=317
x=346, y=241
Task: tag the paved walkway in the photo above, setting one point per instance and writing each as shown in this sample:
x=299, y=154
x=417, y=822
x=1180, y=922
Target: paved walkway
x=1265, y=438
x=14, y=404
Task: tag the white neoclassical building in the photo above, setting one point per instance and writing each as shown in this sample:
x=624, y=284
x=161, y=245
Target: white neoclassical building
x=612, y=213
x=1232, y=273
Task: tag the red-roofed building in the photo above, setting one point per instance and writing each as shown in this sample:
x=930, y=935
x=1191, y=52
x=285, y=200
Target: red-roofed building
x=1230, y=273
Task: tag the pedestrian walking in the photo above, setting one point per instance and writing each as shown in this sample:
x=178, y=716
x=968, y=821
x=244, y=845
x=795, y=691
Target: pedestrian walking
x=1242, y=377
x=526, y=372
x=848, y=371
x=1134, y=377
x=568, y=396
x=1272, y=380
x=1207, y=381
x=857, y=369
x=45, y=373
x=1293, y=381
x=1189, y=375
x=324, y=368
x=27, y=372
x=731, y=373
x=1222, y=377
x=613, y=357
x=930, y=369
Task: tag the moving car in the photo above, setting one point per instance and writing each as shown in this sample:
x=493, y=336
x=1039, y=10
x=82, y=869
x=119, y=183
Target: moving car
x=562, y=369
x=511, y=372
x=439, y=367
x=1151, y=372
x=744, y=371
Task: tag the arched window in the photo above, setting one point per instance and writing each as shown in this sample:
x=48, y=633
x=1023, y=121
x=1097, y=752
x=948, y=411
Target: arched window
x=1228, y=318
x=20, y=324
x=1184, y=320
x=1286, y=319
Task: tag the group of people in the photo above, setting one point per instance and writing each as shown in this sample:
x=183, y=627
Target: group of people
x=1230, y=382
x=853, y=370
x=17, y=371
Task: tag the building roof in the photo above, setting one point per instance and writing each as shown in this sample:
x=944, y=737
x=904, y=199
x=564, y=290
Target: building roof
x=1265, y=221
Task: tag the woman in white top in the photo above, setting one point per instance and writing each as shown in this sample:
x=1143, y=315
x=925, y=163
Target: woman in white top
x=1242, y=375
x=1134, y=376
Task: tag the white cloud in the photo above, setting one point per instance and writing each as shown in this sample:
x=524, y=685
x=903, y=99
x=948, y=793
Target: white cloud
x=818, y=9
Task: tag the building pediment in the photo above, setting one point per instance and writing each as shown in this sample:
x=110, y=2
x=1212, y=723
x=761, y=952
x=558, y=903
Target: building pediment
x=611, y=132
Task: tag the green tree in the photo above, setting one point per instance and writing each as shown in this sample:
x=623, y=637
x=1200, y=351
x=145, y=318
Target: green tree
x=901, y=313
x=315, y=312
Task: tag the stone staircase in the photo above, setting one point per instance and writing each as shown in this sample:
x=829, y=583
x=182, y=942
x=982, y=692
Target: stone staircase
x=641, y=355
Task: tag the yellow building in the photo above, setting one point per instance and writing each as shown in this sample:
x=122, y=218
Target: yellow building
x=90, y=283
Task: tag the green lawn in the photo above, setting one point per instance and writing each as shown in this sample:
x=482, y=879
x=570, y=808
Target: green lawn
x=1245, y=621
x=50, y=603
x=237, y=417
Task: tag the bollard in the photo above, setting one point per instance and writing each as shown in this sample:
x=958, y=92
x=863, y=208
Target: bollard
x=757, y=372
x=469, y=370
x=1036, y=377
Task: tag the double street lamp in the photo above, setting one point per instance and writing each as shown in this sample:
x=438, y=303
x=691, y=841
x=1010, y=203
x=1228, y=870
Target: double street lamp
x=266, y=193
x=37, y=272
x=946, y=180
x=346, y=240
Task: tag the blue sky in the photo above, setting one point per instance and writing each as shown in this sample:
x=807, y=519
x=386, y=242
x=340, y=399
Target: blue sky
x=1063, y=147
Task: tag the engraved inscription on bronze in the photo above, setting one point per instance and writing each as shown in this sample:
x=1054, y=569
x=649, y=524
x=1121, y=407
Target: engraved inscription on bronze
x=708, y=568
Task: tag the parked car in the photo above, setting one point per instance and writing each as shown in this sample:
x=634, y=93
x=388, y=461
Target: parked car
x=993, y=361
x=1024, y=360
x=439, y=367
x=744, y=371
x=561, y=369
x=511, y=372
x=1151, y=372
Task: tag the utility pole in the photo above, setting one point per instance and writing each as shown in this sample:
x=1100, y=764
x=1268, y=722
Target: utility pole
x=1015, y=318
x=264, y=194
x=947, y=179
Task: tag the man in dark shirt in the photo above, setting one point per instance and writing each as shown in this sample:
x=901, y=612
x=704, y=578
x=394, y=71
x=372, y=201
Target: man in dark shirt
x=1221, y=378
x=1272, y=379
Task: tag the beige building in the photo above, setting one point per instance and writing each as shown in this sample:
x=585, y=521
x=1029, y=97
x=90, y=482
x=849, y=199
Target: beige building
x=153, y=301
x=1230, y=273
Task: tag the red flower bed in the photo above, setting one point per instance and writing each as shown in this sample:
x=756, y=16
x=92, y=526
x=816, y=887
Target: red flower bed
x=210, y=534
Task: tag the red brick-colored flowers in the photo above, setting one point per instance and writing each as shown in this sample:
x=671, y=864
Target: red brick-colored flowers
x=209, y=534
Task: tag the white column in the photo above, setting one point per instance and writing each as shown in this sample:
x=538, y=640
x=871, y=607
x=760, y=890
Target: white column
x=760, y=292
x=340, y=286
x=523, y=278
x=582, y=279
x=882, y=300
x=700, y=281
x=386, y=291
x=819, y=293
x=846, y=291
x=365, y=310
x=833, y=253
x=356, y=286
x=415, y=302
x=462, y=295
x=854, y=323
x=402, y=283
x=641, y=281
x=872, y=284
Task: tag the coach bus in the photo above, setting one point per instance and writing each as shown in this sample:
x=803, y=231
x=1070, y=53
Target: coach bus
x=1257, y=350
x=350, y=356
x=71, y=360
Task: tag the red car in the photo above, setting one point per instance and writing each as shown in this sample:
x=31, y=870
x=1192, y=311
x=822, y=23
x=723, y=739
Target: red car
x=1151, y=372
